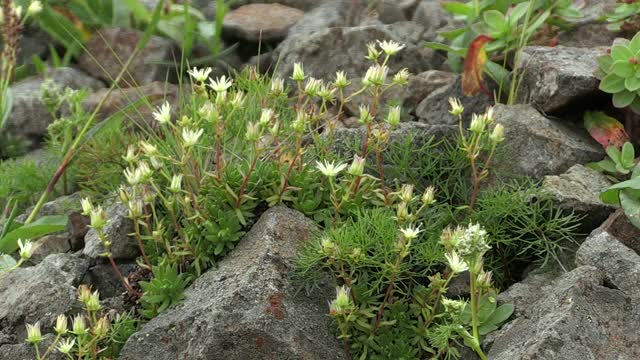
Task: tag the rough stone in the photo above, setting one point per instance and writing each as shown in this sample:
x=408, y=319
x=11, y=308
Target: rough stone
x=47, y=245
x=117, y=230
x=325, y=52
x=112, y=47
x=554, y=78
x=39, y=293
x=25, y=351
x=326, y=14
x=536, y=146
x=103, y=278
x=587, y=36
x=245, y=307
x=431, y=15
x=619, y=264
x=579, y=190
x=576, y=317
x=261, y=22
x=619, y=226
x=78, y=227
x=63, y=205
x=29, y=117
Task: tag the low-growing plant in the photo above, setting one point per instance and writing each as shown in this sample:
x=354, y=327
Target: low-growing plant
x=618, y=72
x=625, y=17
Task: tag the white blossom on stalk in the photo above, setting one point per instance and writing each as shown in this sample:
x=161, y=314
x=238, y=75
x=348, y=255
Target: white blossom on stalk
x=65, y=346
x=25, y=249
x=372, y=52
x=341, y=80
x=393, y=118
x=34, y=8
x=277, y=86
x=200, y=75
x=456, y=263
x=86, y=206
x=329, y=169
x=401, y=77
x=312, y=87
x=163, y=113
x=390, y=47
x=410, y=232
x=34, y=336
x=221, y=84
x=238, y=99
x=265, y=116
x=298, y=72
x=176, y=183
x=376, y=75
x=191, y=137
x=456, y=106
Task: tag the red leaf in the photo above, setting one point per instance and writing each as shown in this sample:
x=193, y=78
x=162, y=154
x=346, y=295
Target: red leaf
x=473, y=66
x=604, y=129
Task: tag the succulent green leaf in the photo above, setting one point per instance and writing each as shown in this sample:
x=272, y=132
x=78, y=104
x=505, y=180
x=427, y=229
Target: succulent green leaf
x=612, y=84
x=634, y=44
x=605, y=63
x=621, y=53
x=623, y=68
x=501, y=314
x=635, y=105
x=6, y=263
x=457, y=8
x=633, y=183
x=630, y=203
x=627, y=156
x=632, y=83
x=495, y=19
x=610, y=196
x=43, y=226
x=623, y=99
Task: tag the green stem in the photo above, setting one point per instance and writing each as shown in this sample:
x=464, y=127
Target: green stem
x=474, y=316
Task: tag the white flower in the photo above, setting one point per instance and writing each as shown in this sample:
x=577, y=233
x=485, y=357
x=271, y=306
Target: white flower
x=163, y=113
x=456, y=106
x=452, y=305
x=472, y=241
x=266, y=116
x=478, y=124
x=79, y=326
x=372, y=52
x=98, y=218
x=410, y=233
x=341, y=80
x=200, y=75
x=131, y=155
x=61, y=324
x=277, y=86
x=456, y=263
x=156, y=163
x=34, y=8
x=191, y=137
x=357, y=166
x=375, y=75
x=176, y=183
x=253, y=132
x=222, y=84
x=86, y=206
x=393, y=118
x=341, y=305
x=298, y=72
x=65, y=346
x=390, y=47
x=488, y=116
x=312, y=87
x=34, y=335
x=497, y=136
x=330, y=169
x=365, y=115
x=429, y=196
x=238, y=99
x=401, y=77
x=26, y=248
x=148, y=149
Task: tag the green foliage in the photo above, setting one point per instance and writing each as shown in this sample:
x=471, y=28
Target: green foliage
x=27, y=180
x=122, y=327
x=490, y=315
x=625, y=16
x=165, y=289
x=43, y=226
x=617, y=72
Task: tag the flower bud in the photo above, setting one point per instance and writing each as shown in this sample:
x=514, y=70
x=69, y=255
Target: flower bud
x=312, y=87
x=341, y=80
x=393, y=118
x=101, y=329
x=477, y=124
x=401, y=77
x=357, y=166
x=253, y=132
x=341, y=305
x=428, y=197
x=34, y=336
x=298, y=72
x=376, y=75
x=406, y=193
x=497, y=136
x=176, y=183
x=25, y=249
x=456, y=107
x=61, y=325
x=98, y=218
x=79, y=327
x=266, y=116
x=277, y=86
x=365, y=115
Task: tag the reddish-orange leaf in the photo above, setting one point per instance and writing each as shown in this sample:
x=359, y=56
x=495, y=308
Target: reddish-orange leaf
x=473, y=66
x=604, y=129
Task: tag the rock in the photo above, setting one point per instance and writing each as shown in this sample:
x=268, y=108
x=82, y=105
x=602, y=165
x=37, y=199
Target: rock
x=112, y=47
x=327, y=14
x=619, y=226
x=579, y=190
x=409, y=96
x=117, y=230
x=325, y=52
x=63, y=205
x=536, y=146
x=298, y=4
x=78, y=227
x=576, y=317
x=34, y=42
x=525, y=293
x=29, y=117
x=260, y=22
x=149, y=96
x=431, y=15
x=103, y=278
x=555, y=78
x=47, y=245
x=619, y=264
x=39, y=293
x=246, y=307
x=390, y=12
x=24, y=351
x=434, y=109
x=587, y=36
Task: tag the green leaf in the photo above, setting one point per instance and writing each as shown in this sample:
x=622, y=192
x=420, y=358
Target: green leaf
x=632, y=83
x=610, y=196
x=6, y=104
x=138, y=10
x=623, y=99
x=612, y=84
x=457, y=8
x=634, y=44
x=628, y=155
x=631, y=206
x=605, y=62
x=614, y=153
x=447, y=48
x=6, y=263
x=623, y=69
x=501, y=314
x=43, y=226
x=486, y=328
x=633, y=183
x=621, y=53
x=495, y=19
x=59, y=28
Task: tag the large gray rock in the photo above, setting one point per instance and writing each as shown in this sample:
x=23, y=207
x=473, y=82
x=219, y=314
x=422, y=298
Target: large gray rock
x=619, y=226
x=260, y=22
x=536, y=146
x=29, y=116
x=25, y=351
x=39, y=293
x=111, y=47
x=327, y=14
x=619, y=264
x=431, y=15
x=325, y=52
x=117, y=230
x=576, y=317
x=556, y=77
x=579, y=190
x=245, y=309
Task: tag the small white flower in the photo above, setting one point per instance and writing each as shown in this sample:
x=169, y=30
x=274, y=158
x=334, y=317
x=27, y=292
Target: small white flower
x=34, y=8
x=357, y=166
x=26, y=248
x=79, y=326
x=221, y=84
x=98, y=218
x=238, y=99
x=330, y=169
x=372, y=52
x=312, y=87
x=478, y=124
x=253, y=132
x=456, y=263
x=191, y=137
x=86, y=206
x=401, y=77
x=130, y=157
x=341, y=305
x=456, y=106
x=277, y=86
x=393, y=118
x=65, y=346
x=298, y=72
x=365, y=115
x=411, y=233
x=148, y=149
x=429, y=196
x=265, y=116
x=200, y=75
x=176, y=183
x=497, y=136
x=390, y=47
x=341, y=80
x=34, y=336
x=376, y=75
x=145, y=171
x=61, y=325
x=156, y=163
x=163, y=113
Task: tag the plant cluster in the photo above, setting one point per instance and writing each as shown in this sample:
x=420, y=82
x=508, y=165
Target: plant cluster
x=625, y=16
x=619, y=73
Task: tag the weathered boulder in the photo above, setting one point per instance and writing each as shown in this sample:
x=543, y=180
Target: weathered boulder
x=29, y=117
x=49, y=244
x=432, y=16
x=39, y=293
x=577, y=316
x=260, y=22
x=579, y=190
x=246, y=308
x=325, y=52
x=24, y=351
x=619, y=226
x=619, y=264
x=326, y=14
x=117, y=230
x=556, y=77
x=536, y=146
x=110, y=48
x=62, y=205
x=103, y=278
